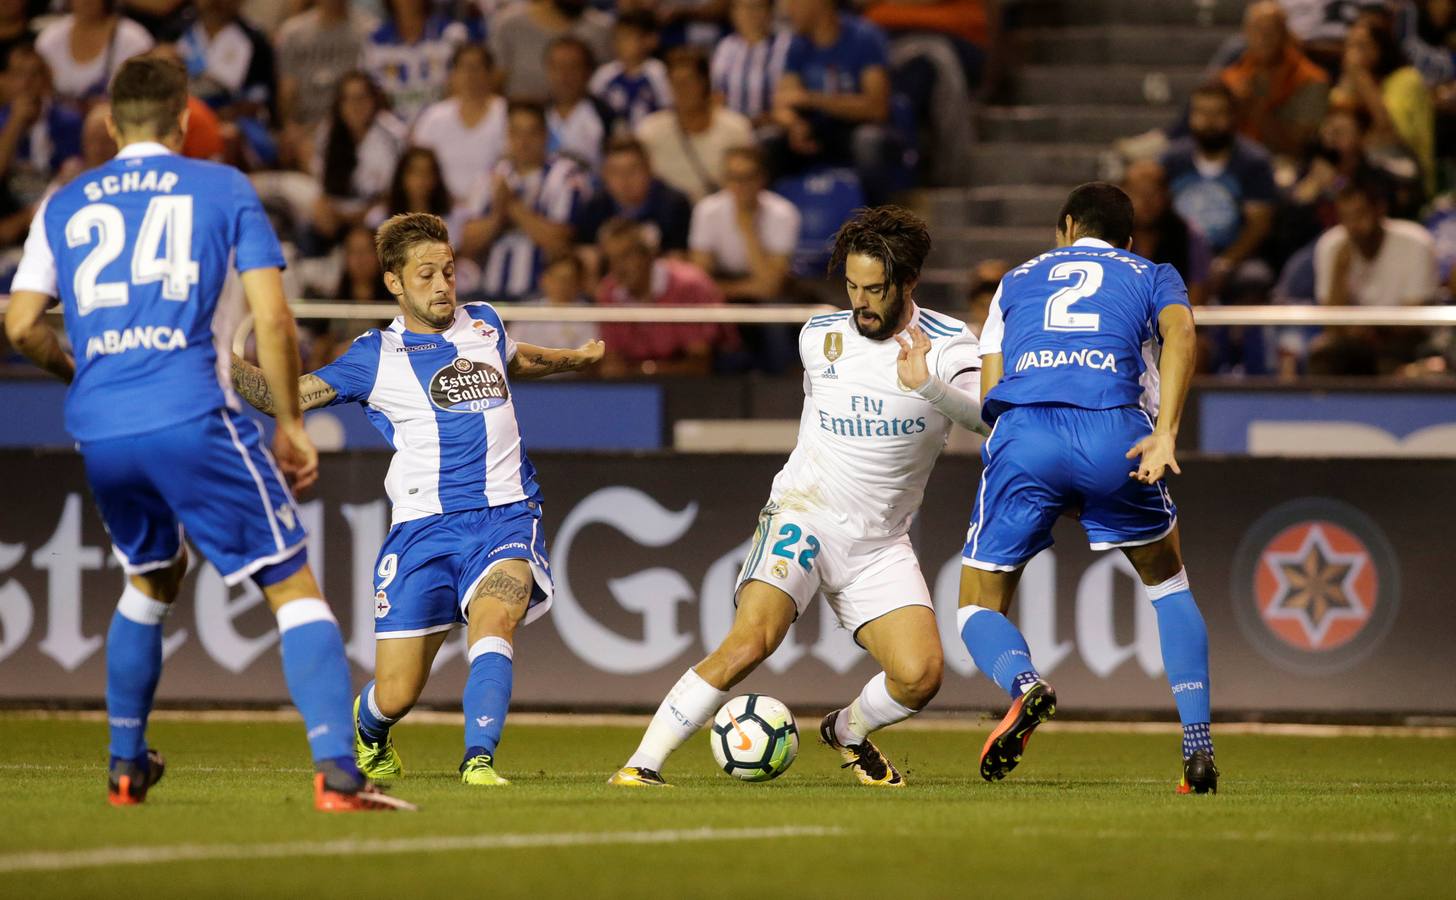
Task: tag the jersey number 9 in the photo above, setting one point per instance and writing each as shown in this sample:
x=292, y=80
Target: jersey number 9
x=163, y=252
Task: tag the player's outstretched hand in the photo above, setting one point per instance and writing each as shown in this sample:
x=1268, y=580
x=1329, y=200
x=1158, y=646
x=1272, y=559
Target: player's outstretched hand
x=1155, y=456
x=911, y=365
x=297, y=458
x=590, y=353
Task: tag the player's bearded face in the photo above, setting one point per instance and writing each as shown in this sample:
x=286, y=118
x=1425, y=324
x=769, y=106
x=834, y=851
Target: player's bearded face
x=878, y=306
x=428, y=285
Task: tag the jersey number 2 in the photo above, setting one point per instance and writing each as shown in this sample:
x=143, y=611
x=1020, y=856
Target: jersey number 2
x=163, y=251
x=1059, y=315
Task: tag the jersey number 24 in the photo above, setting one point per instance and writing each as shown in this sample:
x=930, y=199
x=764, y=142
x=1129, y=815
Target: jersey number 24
x=163, y=252
x=1059, y=315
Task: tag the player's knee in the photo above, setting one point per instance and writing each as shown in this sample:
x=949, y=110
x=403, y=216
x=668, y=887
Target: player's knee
x=396, y=695
x=743, y=650
x=917, y=681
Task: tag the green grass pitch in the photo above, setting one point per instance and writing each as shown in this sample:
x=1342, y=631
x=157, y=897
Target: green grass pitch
x=1088, y=814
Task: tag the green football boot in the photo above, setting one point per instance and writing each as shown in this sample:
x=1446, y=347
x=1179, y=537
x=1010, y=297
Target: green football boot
x=377, y=762
x=480, y=770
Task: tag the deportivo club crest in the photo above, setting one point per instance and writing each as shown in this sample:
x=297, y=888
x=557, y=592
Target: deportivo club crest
x=1315, y=585
x=833, y=345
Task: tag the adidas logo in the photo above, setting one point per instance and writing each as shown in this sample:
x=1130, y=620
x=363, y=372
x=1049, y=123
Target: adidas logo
x=829, y=372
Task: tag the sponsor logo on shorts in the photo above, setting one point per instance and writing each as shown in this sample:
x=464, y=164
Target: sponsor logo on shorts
x=1316, y=585
x=833, y=345
x=780, y=569
x=468, y=386
x=513, y=545
x=381, y=604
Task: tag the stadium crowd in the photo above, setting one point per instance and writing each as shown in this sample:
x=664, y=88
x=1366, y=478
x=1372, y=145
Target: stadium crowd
x=702, y=151
x=1315, y=165
x=579, y=154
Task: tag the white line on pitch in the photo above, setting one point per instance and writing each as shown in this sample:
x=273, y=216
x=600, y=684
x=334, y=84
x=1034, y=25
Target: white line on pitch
x=116, y=856
x=1301, y=837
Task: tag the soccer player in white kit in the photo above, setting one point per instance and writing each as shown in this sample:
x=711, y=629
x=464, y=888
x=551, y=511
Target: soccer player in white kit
x=883, y=383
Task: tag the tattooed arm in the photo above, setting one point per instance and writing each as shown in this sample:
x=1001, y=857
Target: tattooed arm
x=252, y=386
x=531, y=361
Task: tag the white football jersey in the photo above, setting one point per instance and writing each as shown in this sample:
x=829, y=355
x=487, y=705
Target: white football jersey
x=867, y=444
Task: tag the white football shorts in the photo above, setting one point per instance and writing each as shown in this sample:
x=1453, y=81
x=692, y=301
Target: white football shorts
x=861, y=579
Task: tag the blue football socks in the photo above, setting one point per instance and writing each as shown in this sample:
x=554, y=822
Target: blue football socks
x=317, y=672
x=373, y=725
x=998, y=648
x=1184, y=640
x=487, y=695
x=133, y=666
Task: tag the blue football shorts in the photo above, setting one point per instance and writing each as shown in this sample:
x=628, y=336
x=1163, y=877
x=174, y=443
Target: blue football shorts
x=429, y=568
x=1043, y=460
x=211, y=477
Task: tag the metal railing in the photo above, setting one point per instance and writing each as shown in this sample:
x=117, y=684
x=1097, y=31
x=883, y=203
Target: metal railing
x=1404, y=316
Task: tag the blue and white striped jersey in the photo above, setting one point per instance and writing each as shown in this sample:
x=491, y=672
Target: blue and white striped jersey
x=555, y=191
x=138, y=251
x=745, y=74
x=443, y=401
x=632, y=97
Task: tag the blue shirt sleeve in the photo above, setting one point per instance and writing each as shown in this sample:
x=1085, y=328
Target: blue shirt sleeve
x=872, y=48
x=352, y=375
x=1256, y=176
x=797, y=56
x=255, y=244
x=1168, y=290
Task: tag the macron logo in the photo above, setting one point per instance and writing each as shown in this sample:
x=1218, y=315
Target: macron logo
x=483, y=721
x=318, y=731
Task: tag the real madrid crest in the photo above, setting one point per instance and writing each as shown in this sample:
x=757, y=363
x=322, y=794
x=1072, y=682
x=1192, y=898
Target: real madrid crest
x=780, y=568
x=833, y=345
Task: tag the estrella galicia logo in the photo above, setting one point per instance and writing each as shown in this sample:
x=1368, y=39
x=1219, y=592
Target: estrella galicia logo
x=468, y=386
x=1316, y=585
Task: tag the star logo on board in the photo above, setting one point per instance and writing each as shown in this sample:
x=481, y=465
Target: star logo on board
x=1316, y=586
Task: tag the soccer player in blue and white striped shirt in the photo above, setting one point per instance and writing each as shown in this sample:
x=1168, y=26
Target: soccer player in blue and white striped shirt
x=525, y=206
x=465, y=545
x=747, y=63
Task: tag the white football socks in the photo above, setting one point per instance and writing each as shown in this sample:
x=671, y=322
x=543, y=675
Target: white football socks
x=872, y=710
x=685, y=709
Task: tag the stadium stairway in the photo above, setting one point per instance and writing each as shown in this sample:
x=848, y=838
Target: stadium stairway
x=1085, y=73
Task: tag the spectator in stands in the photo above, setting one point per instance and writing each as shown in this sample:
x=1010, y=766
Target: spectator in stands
x=524, y=208
x=230, y=64
x=578, y=122
x=16, y=29
x=1160, y=234
x=316, y=48
x=85, y=48
x=358, y=148
x=691, y=23
x=520, y=33
x=633, y=84
x=1222, y=184
x=747, y=63
x=686, y=144
x=467, y=130
x=745, y=235
x=1427, y=30
x=418, y=185
x=632, y=193
x=635, y=275
x=1377, y=78
x=1371, y=260
x=1320, y=27
x=985, y=282
x=833, y=99
x=360, y=280
x=409, y=55
x=37, y=136
x=1280, y=93
x=563, y=284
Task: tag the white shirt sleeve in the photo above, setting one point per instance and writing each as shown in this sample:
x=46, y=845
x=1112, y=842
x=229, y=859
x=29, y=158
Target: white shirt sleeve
x=959, y=362
x=1324, y=265
x=699, y=231
x=995, y=329
x=37, y=271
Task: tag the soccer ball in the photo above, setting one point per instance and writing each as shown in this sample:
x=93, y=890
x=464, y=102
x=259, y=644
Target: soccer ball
x=754, y=738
